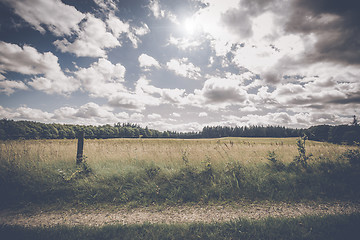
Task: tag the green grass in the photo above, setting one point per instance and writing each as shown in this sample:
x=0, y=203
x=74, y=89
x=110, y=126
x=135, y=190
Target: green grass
x=142, y=172
x=344, y=227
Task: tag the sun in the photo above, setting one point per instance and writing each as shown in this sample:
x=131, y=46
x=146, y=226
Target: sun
x=189, y=26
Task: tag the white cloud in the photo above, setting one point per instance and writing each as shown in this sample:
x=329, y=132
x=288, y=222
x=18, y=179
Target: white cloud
x=142, y=30
x=147, y=61
x=172, y=96
x=176, y=115
x=102, y=78
x=106, y=4
x=25, y=113
x=184, y=68
x=158, y=12
x=138, y=31
x=136, y=117
x=299, y=120
x=59, y=18
x=185, y=43
x=164, y=125
x=144, y=95
x=27, y=60
x=9, y=87
x=92, y=40
x=90, y=113
x=117, y=26
x=154, y=6
x=154, y=116
x=203, y=114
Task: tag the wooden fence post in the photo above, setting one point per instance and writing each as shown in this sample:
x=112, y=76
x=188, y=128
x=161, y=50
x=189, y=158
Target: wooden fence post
x=80, y=147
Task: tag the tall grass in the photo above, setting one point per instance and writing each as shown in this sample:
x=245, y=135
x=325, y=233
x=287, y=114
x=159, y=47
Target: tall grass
x=146, y=171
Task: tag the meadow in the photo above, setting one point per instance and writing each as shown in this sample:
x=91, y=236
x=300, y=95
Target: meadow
x=172, y=171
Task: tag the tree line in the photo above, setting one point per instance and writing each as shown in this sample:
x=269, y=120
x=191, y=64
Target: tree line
x=11, y=129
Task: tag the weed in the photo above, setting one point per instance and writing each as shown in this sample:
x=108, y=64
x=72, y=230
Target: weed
x=185, y=158
x=275, y=163
x=302, y=158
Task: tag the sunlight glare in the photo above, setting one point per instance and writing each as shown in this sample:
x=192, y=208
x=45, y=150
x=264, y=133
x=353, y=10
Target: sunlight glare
x=190, y=26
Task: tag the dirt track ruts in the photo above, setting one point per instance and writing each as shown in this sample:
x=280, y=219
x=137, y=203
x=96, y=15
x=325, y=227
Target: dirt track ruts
x=173, y=214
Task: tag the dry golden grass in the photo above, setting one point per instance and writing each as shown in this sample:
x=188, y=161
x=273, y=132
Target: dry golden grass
x=108, y=154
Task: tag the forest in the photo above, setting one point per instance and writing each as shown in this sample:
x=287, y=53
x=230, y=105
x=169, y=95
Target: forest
x=12, y=130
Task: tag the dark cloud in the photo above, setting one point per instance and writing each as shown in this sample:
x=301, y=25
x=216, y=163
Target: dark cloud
x=272, y=77
x=349, y=100
x=316, y=106
x=224, y=95
x=335, y=24
x=238, y=21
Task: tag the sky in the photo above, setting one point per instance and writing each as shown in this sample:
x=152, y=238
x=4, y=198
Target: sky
x=180, y=65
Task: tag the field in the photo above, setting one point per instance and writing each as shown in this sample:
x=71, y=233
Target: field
x=138, y=173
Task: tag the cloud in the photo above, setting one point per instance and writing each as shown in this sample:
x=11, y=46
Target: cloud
x=138, y=31
x=184, y=68
x=158, y=12
x=136, y=117
x=117, y=26
x=164, y=125
x=93, y=38
x=106, y=5
x=219, y=93
x=26, y=59
x=163, y=95
x=87, y=114
x=8, y=87
x=279, y=38
x=90, y=113
x=145, y=95
x=146, y=62
x=86, y=111
x=299, y=120
x=59, y=18
x=25, y=113
x=123, y=30
x=130, y=100
x=335, y=25
x=311, y=95
x=92, y=41
x=185, y=43
x=48, y=76
x=239, y=22
x=154, y=116
x=102, y=78
x=203, y=114
x=217, y=90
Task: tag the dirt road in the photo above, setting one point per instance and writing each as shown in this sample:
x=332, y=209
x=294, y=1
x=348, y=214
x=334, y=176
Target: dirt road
x=173, y=214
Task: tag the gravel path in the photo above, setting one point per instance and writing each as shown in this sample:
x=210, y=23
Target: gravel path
x=174, y=214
